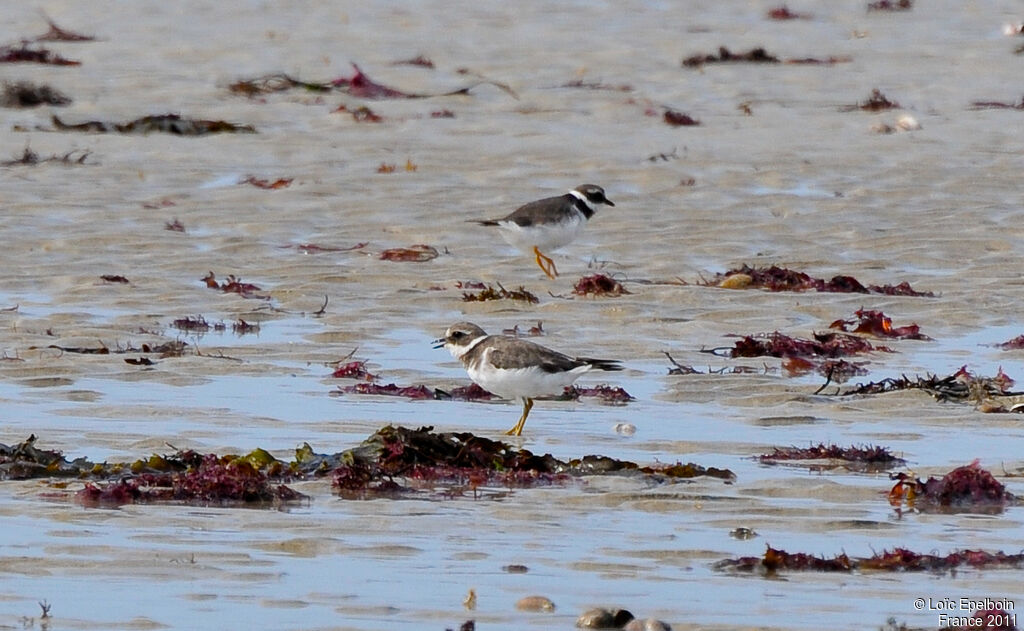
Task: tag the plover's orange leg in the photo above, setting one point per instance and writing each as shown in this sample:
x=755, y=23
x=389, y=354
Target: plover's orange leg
x=545, y=263
x=518, y=428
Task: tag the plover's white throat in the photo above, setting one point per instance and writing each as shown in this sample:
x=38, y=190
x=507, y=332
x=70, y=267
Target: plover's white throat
x=550, y=223
x=513, y=368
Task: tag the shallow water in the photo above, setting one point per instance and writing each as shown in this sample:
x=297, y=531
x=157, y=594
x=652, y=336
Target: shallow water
x=798, y=183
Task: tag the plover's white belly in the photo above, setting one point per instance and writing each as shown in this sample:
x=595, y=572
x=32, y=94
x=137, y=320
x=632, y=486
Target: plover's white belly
x=544, y=237
x=516, y=383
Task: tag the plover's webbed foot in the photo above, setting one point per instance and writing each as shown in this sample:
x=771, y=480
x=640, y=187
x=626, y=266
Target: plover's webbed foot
x=518, y=428
x=545, y=263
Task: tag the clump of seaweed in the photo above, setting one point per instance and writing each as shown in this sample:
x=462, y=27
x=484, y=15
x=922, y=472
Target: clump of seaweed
x=355, y=369
x=275, y=83
x=599, y=285
x=175, y=348
x=212, y=480
x=876, y=102
x=832, y=456
x=389, y=390
x=754, y=55
x=986, y=105
x=361, y=114
x=197, y=324
x=358, y=85
x=967, y=487
x=679, y=119
x=880, y=325
x=24, y=94
x=424, y=458
x=775, y=278
x=778, y=344
x=962, y=385
x=896, y=560
x=419, y=60
x=58, y=34
x=29, y=157
x=279, y=183
x=165, y=123
x=783, y=13
x=490, y=293
x=393, y=460
x=419, y=253
x=604, y=393
x=26, y=54
x=1014, y=344
x=890, y=5
x=233, y=285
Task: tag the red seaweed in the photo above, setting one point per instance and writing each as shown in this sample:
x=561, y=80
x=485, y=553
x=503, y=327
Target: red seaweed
x=389, y=390
x=233, y=285
x=607, y=394
x=598, y=285
x=361, y=86
x=283, y=182
x=58, y=34
x=419, y=253
x=353, y=370
x=1014, y=344
x=679, y=119
x=968, y=486
x=880, y=325
x=896, y=560
x=823, y=345
x=783, y=13
x=25, y=54
x=115, y=278
x=777, y=278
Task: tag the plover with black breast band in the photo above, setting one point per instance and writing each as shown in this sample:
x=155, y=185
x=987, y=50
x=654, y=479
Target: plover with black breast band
x=514, y=368
x=550, y=223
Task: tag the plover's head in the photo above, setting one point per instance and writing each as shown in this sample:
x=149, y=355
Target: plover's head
x=460, y=337
x=592, y=194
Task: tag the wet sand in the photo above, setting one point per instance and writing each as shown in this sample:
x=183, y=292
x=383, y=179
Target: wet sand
x=798, y=183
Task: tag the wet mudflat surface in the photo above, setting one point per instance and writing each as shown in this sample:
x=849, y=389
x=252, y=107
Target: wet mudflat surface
x=780, y=171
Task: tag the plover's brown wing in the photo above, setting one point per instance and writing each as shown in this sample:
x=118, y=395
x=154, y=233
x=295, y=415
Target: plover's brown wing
x=509, y=354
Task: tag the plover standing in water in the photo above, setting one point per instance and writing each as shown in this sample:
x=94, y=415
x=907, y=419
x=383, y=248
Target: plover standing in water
x=513, y=368
x=550, y=223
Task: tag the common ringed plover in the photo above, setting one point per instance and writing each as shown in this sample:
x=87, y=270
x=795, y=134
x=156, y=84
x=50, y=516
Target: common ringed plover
x=514, y=368
x=550, y=223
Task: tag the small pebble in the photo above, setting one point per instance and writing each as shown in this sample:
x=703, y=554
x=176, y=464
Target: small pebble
x=535, y=603
x=625, y=429
x=742, y=533
x=601, y=618
x=736, y=281
x=907, y=123
x=647, y=624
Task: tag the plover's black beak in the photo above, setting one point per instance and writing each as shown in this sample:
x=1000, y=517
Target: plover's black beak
x=608, y=201
x=438, y=343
